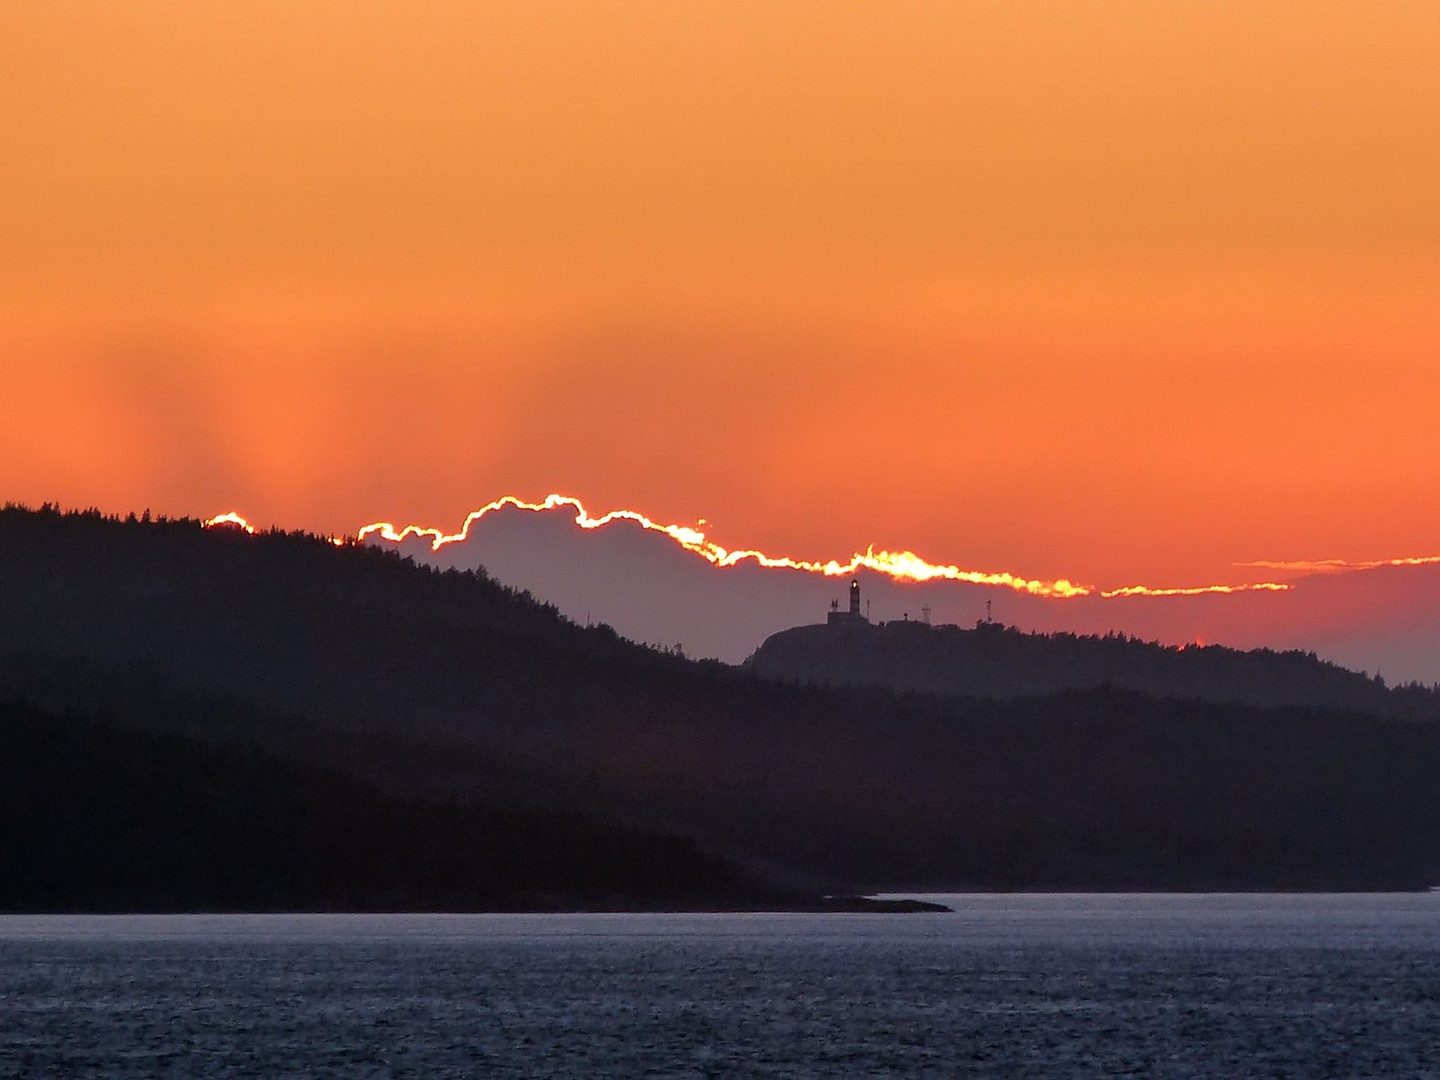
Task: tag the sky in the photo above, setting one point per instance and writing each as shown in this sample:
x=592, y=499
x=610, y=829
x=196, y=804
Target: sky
x=1113, y=291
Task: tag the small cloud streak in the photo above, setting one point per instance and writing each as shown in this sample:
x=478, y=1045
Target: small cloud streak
x=1336, y=566
x=1196, y=590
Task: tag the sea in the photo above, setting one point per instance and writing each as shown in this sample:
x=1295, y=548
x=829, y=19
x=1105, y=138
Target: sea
x=1273, y=986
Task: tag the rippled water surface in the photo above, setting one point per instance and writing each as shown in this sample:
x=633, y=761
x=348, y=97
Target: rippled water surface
x=1045, y=986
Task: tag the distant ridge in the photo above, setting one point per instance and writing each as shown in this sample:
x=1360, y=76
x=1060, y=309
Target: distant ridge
x=992, y=660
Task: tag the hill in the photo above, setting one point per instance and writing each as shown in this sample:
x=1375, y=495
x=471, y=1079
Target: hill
x=98, y=818
x=992, y=660
x=430, y=686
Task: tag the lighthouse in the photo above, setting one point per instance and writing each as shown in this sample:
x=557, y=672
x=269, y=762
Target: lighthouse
x=853, y=615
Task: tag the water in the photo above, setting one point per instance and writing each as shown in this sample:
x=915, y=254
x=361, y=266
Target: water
x=1012, y=986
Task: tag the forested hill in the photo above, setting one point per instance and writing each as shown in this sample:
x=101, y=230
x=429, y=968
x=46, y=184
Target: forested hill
x=997, y=661
x=429, y=688
x=94, y=817
x=197, y=718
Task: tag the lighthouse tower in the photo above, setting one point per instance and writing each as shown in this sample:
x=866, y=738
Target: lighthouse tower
x=853, y=615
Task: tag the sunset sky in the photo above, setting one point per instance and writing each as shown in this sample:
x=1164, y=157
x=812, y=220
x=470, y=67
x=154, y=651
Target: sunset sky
x=1118, y=291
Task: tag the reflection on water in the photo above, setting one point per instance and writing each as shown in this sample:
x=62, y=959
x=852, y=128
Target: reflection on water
x=1053, y=986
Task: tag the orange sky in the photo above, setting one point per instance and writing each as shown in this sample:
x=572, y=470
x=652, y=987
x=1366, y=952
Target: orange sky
x=1116, y=291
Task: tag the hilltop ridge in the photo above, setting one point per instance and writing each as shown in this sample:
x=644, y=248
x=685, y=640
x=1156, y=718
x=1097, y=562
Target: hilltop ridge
x=993, y=660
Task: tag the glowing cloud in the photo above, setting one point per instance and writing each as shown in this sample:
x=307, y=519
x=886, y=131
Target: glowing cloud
x=900, y=565
x=232, y=519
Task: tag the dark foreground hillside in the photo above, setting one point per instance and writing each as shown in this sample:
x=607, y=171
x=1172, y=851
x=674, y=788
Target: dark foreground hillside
x=447, y=686
x=96, y=818
x=998, y=661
